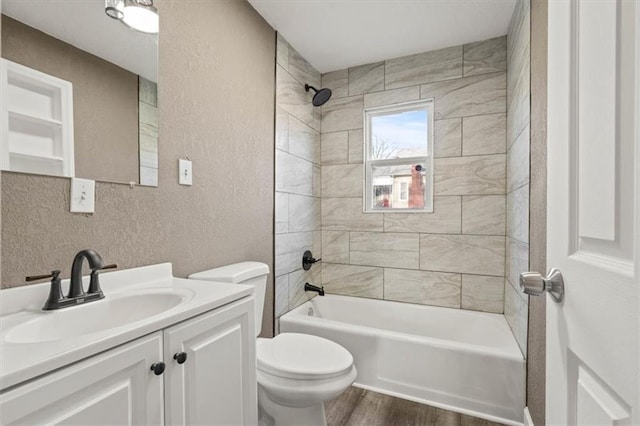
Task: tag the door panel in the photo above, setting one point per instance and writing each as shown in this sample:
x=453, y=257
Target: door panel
x=216, y=385
x=592, y=216
x=113, y=388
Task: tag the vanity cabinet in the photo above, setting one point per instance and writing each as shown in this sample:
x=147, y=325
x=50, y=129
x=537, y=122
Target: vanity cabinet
x=113, y=388
x=215, y=384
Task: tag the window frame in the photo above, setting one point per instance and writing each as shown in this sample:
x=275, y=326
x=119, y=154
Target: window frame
x=427, y=160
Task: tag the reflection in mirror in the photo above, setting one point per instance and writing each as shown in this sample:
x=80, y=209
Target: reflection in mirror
x=79, y=93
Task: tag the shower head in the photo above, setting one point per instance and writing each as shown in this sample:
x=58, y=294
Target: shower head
x=321, y=96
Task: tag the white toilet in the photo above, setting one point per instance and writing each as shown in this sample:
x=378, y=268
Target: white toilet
x=296, y=372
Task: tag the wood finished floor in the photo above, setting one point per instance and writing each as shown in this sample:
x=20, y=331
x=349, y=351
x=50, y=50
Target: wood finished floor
x=358, y=407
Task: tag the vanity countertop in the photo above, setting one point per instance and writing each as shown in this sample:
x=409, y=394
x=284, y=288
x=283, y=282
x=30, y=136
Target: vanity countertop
x=22, y=358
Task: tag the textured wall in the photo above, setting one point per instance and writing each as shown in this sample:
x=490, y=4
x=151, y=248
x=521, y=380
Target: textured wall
x=516, y=304
x=454, y=256
x=216, y=96
x=536, y=346
x=297, y=178
x=105, y=101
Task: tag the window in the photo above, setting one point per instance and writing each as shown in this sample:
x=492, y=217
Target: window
x=399, y=157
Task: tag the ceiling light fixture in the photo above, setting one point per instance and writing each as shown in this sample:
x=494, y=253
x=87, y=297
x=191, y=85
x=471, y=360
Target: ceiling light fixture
x=139, y=15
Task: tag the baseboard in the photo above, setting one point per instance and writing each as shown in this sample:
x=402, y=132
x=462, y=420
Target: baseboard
x=527, y=417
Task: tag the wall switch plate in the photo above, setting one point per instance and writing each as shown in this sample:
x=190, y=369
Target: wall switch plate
x=83, y=196
x=185, y=173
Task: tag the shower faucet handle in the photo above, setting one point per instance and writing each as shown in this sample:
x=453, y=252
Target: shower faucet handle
x=308, y=260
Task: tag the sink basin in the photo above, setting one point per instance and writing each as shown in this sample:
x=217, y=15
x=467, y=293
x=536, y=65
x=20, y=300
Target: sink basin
x=108, y=313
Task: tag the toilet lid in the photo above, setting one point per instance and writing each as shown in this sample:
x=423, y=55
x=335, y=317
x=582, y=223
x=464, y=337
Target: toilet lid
x=302, y=356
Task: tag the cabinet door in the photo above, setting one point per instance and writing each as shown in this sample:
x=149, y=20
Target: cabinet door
x=116, y=387
x=216, y=385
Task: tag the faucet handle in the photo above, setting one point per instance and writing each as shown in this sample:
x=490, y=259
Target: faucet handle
x=112, y=266
x=53, y=275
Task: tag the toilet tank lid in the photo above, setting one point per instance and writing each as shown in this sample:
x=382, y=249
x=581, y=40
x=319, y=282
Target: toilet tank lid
x=234, y=273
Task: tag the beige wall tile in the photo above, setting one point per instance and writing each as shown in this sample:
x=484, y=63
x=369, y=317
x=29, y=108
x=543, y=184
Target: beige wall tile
x=345, y=214
x=467, y=254
x=304, y=141
x=334, y=148
x=519, y=107
x=342, y=114
x=335, y=246
x=390, y=97
x=282, y=129
x=448, y=138
x=484, y=134
x=282, y=212
x=422, y=68
x=484, y=214
x=462, y=97
x=481, y=175
x=445, y=219
x=304, y=213
x=342, y=181
x=485, y=56
x=356, y=146
x=338, y=82
x=317, y=181
x=518, y=214
x=516, y=313
x=292, y=98
x=282, y=52
x=394, y=250
x=366, y=78
x=302, y=70
x=481, y=293
x=518, y=162
x=297, y=280
x=517, y=260
x=289, y=249
x=427, y=288
x=353, y=280
x=293, y=174
x=282, y=295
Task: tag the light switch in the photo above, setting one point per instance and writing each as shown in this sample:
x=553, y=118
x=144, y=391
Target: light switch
x=83, y=195
x=185, y=172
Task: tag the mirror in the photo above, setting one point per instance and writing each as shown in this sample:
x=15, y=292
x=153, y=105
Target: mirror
x=79, y=93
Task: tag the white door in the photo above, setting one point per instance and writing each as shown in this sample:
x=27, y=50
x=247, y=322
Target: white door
x=211, y=368
x=593, y=361
x=116, y=387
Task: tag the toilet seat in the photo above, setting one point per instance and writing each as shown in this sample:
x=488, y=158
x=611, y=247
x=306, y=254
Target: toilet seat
x=303, y=357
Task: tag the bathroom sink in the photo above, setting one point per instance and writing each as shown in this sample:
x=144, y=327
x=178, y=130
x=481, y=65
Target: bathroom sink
x=106, y=314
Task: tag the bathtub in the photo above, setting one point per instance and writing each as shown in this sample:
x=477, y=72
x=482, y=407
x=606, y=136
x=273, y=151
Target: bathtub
x=458, y=360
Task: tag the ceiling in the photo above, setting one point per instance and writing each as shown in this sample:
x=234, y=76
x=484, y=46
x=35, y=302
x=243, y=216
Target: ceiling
x=83, y=24
x=337, y=34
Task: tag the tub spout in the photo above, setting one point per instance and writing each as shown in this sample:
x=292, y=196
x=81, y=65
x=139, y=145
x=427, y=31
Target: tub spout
x=311, y=287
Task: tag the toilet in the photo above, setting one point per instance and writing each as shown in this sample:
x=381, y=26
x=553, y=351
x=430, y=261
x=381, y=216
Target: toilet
x=296, y=372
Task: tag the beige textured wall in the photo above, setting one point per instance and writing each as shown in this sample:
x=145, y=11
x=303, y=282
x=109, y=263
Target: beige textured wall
x=216, y=94
x=453, y=257
x=536, y=347
x=105, y=101
x=297, y=178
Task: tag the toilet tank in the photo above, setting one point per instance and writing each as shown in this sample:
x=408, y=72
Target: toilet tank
x=247, y=273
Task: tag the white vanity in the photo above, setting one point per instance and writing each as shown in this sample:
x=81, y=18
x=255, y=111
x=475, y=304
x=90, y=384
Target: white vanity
x=156, y=350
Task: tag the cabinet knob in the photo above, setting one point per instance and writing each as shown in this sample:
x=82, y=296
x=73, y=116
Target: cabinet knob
x=158, y=368
x=180, y=357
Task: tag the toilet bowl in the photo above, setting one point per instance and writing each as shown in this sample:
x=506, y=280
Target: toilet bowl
x=296, y=372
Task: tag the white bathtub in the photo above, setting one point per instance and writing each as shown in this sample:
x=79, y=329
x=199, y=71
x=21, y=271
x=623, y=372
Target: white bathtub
x=459, y=360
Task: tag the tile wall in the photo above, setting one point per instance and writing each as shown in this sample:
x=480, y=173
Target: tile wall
x=455, y=256
x=516, y=304
x=297, y=203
